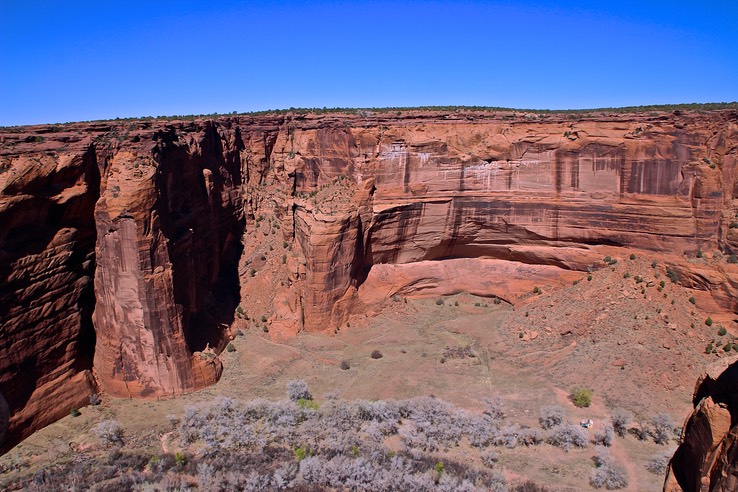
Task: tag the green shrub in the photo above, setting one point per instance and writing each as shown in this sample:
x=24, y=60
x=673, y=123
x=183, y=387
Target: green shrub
x=265, y=329
x=263, y=318
x=626, y=275
x=708, y=349
x=307, y=404
x=607, y=259
x=231, y=348
x=179, y=459
x=581, y=397
x=672, y=275
x=439, y=302
x=632, y=256
x=153, y=464
x=733, y=259
x=653, y=264
x=589, y=278
x=301, y=453
x=74, y=412
x=722, y=331
x=692, y=300
x=708, y=321
x=727, y=347
x=699, y=253
x=536, y=290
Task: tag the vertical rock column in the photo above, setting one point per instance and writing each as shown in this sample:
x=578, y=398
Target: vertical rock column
x=141, y=348
x=168, y=227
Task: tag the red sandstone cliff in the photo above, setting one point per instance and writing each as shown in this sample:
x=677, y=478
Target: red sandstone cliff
x=160, y=214
x=707, y=459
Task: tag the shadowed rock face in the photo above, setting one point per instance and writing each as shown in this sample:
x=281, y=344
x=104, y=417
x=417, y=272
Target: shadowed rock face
x=169, y=227
x=707, y=459
x=47, y=262
x=121, y=253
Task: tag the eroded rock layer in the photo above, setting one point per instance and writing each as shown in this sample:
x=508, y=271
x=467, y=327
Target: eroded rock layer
x=47, y=262
x=707, y=459
x=126, y=247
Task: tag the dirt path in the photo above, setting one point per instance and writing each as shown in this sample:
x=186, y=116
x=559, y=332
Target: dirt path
x=621, y=456
x=163, y=440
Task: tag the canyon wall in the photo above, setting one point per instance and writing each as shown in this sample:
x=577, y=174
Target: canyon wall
x=707, y=458
x=530, y=199
x=47, y=243
x=127, y=247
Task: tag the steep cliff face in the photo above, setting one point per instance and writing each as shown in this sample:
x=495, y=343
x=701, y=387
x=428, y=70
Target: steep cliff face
x=536, y=192
x=47, y=262
x=168, y=218
x=169, y=224
x=707, y=459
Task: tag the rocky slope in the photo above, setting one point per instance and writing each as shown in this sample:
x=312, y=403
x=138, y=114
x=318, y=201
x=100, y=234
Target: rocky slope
x=130, y=245
x=707, y=459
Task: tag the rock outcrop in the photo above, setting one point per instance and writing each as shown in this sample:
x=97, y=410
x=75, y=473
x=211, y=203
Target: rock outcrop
x=707, y=459
x=169, y=224
x=127, y=246
x=47, y=263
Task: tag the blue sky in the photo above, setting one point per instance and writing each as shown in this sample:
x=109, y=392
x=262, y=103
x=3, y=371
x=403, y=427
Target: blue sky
x=69, y=61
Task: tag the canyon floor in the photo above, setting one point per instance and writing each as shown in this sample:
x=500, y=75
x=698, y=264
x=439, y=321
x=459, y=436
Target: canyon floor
x=637, y=342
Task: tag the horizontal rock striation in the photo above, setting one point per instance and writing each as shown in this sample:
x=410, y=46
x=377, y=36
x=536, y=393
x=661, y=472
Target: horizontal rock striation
x=536, y=191
x=127, y=246
x=47, y=263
